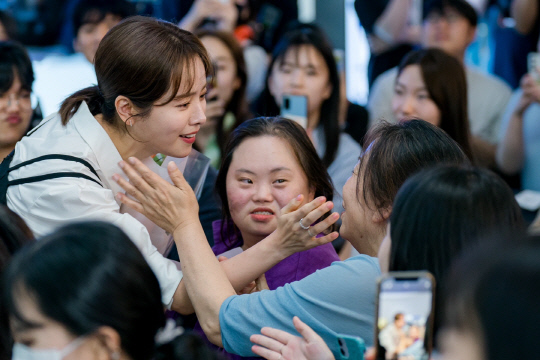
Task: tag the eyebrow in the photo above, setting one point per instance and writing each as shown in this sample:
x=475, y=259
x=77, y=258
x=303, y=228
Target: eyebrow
x=281, y=168
x=187, y=95
x=295, y=64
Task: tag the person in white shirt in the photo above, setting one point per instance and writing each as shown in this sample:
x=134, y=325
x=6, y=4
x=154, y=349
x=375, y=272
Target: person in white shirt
x=150, y=99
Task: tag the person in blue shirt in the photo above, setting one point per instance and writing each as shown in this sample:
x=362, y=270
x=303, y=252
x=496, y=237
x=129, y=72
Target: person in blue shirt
x=337, y=299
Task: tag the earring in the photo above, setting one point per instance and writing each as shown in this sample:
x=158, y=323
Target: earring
x=115, y=355
x=130, y=123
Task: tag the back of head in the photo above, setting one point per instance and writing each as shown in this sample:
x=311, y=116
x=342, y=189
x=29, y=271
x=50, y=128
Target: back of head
x=15, y=62
x=85, y=276
x=442, y=211
x=396, y=151
x=143, y=59
x=95, y=11
x=492, y=297
x=445, y=80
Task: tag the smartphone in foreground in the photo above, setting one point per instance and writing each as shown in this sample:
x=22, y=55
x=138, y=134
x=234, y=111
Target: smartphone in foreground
x=294, y=107
x=404, y=315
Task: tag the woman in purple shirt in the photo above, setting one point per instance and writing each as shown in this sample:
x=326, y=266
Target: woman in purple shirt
x=267, y=163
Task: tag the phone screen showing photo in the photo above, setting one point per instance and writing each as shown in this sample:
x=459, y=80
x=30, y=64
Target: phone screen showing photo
x=404, y=316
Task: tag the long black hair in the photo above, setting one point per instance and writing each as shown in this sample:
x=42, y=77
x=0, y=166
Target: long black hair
x=309, y=35
x=441, y=211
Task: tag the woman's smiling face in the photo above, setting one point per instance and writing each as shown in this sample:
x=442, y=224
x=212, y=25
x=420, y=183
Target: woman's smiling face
x=263, y=177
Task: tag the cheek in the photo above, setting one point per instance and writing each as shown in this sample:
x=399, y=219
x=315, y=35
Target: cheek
x=431, y=114
x=396, y=105
x=237, y=199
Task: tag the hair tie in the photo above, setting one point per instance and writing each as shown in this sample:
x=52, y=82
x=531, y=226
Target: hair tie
x=99, y=92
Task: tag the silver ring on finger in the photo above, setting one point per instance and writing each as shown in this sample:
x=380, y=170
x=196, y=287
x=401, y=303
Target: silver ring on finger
x=309, y=233
x=302, y=225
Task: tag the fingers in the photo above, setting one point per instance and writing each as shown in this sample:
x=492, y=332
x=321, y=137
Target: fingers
x=222, y=258
x=311, y=214
x=139, y=174
x=322, y=226
x=293, y=205
x=268, y=341
x=278, y=337
x=264, y=352
x=176, y=175
x=135, y=205
x=305, y=331
x=128, y=187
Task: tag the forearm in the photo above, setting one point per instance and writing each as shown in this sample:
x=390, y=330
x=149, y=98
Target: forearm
x=510, y=151
x=484, y=152
x=204, y=279
x=252, y=263
x=524, y=13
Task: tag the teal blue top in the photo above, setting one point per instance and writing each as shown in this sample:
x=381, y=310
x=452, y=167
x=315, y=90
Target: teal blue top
x=339, y=299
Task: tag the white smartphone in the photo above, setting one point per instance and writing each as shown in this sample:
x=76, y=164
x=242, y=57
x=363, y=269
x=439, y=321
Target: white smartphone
x=295, y=107
x=404, y=319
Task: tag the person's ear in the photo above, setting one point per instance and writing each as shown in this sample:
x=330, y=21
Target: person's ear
x=111, y=342
x=382, y=215
x=125, y=109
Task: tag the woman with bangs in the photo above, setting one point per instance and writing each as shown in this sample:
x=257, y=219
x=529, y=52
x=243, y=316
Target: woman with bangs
x=150, y=98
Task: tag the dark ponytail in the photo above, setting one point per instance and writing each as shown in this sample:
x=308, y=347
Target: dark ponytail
x=91, y=95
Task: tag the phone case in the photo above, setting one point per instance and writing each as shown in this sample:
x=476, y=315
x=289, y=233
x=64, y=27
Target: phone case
x=294, y=107
x=351, y=347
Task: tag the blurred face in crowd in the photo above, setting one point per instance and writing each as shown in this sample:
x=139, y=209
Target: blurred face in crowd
x=227, y=80
x=15, y=116
x=263, y=177
x=302, y=71
x=411, y=97
x=450, y=32
x=90, y=34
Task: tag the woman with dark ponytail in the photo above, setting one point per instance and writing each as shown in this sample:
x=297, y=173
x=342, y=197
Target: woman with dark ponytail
x=149, y=99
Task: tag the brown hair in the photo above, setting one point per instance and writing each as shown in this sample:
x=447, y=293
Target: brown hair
x=238, y=104
x=142, y=59
x=447, y=86
x=395, y=152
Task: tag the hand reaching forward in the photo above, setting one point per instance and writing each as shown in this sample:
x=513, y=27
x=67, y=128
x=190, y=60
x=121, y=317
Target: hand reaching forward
x=168, y=206
x=274, y=344
x=298, y=226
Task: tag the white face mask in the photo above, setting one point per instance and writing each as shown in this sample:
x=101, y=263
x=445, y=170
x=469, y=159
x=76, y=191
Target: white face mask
x=23, y=352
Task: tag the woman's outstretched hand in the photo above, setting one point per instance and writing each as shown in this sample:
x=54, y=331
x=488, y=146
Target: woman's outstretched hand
x=277, y=344
x=293, y=235
x=168, y=206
